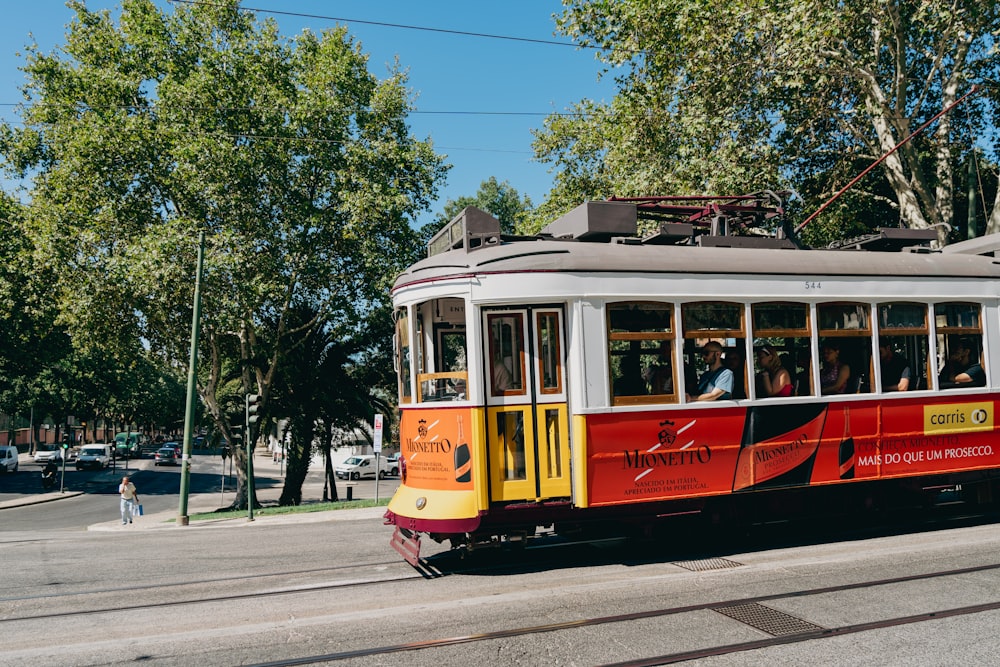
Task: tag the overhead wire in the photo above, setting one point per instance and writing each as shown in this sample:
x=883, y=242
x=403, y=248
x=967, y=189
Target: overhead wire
x=402, y=26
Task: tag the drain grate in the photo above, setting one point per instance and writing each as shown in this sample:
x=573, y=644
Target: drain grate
x=707, y=564
x=771, y=621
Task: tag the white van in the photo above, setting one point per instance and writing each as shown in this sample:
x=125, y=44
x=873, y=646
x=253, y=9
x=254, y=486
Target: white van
x=360, y=466
x=8, y=458
x=94, y=456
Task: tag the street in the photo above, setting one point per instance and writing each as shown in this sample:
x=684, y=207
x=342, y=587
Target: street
x=325, y=588
x=158, y=488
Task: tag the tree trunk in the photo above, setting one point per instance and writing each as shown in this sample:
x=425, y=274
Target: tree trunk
x=299, y=452
x=993, y=224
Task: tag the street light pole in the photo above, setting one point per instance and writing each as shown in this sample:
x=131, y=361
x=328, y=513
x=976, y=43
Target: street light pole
x=182, y=512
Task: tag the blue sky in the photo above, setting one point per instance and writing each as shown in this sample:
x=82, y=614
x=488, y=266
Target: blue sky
x=448, y=72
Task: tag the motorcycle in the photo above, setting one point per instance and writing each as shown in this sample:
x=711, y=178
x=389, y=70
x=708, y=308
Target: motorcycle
x=48, y=480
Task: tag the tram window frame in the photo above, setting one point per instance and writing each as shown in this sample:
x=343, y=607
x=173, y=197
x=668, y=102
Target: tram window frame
x=516, y=372
x=402, y=354
x=647, y=346
x=550, y=353
x=731, y=335
x=908, y=336
x=948, y=335
x=441, y=317
x=858, y=355
x=788, y=340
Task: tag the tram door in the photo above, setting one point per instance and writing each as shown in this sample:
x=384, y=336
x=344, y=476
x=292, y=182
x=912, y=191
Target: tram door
x=527, y=428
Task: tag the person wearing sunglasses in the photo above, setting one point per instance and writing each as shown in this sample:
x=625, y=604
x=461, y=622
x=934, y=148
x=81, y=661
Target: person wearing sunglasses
x=716, y=383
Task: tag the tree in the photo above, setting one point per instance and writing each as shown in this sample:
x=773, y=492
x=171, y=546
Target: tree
x=499, y=199
x=293, y=159
x=724, y=97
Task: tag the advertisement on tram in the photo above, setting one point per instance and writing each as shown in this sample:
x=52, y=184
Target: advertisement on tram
x=634, y=458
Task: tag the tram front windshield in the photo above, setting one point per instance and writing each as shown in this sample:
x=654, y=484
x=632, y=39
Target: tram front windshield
x=439, y=352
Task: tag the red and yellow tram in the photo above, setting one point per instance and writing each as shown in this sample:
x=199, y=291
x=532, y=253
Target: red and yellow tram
x=549, y=381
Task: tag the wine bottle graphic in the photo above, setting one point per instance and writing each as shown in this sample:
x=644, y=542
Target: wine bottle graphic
x=846, y=454
x=779, y=445
x=463, y=459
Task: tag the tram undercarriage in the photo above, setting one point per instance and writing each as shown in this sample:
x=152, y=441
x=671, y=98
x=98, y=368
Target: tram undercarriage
x=863, y=503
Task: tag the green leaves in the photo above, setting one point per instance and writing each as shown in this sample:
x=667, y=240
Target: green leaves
x=291, y=155
x=726, y=97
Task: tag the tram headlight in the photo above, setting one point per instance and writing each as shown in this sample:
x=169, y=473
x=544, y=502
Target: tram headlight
x=421, y=502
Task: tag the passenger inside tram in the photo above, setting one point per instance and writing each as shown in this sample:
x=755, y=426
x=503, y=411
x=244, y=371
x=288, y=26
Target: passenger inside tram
x=773, y=379
x=660, y=375
x=833, y=374
x=962, y=368
x=735, y=360
x=895, y=368
x=716, y=383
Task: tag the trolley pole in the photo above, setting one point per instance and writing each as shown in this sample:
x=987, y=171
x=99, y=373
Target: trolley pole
x=182, y=512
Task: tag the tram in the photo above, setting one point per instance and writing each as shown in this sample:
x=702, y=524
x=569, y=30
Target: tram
x=553, y=383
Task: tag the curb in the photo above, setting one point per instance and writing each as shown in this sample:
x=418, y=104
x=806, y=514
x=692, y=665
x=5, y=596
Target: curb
x=39, y=498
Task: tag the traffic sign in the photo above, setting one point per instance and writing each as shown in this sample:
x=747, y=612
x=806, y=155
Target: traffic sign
x=378, y=434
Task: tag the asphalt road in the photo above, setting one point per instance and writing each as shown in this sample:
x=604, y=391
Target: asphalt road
x=327, y=588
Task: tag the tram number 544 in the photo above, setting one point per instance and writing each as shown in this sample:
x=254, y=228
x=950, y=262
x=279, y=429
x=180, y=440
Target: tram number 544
x=810, y=284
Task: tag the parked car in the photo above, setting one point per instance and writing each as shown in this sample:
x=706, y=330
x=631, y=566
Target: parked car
x=97, y=455
x=357, y=467
x=392, y=464
x=45, y=452
x=165, y=456
x=8, y=458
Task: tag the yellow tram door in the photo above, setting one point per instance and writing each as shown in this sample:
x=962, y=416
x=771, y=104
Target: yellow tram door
x=527, y=428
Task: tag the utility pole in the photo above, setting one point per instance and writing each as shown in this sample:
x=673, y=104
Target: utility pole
x=252, y=408
x=182, y=512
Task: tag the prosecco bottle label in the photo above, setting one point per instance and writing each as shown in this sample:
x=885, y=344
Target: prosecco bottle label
x=779, y=446
x=463, y=459
x=845, y=454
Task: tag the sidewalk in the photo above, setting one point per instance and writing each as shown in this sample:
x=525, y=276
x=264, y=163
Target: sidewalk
x=265, y=469
x=267, y=495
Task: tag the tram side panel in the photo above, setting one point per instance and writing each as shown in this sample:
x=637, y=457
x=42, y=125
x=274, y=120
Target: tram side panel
x=636, y=457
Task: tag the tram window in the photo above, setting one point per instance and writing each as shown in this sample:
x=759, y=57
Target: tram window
x=780, y=319
x=719, y=322
x=640, y=353
x=451, y=348
x=723, y=319
x=903, y=345
x=843, y=316
x=442, y=365
x=506, y=353
x=781, y=343
x=402, y=345
x=549, y=352
x=845, y=348
x=958, y=327
x=510, y=431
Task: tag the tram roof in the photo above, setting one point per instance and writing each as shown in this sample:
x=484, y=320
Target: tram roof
x=602, y=251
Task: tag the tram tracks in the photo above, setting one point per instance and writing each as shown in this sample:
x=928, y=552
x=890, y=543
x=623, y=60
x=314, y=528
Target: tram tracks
x=796, y=629
x=359, y=581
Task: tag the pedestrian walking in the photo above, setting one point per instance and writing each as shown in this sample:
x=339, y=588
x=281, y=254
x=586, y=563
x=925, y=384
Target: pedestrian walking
x=130, y=500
